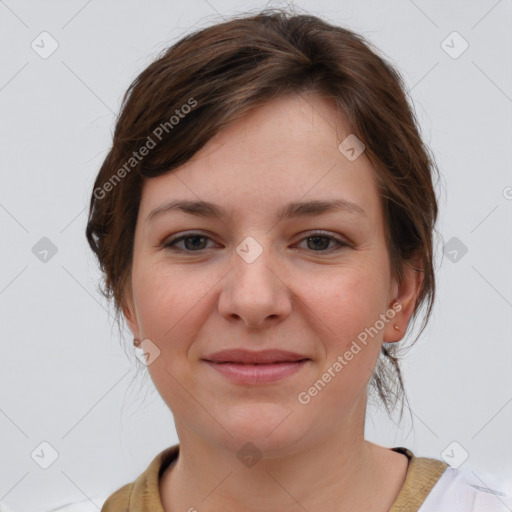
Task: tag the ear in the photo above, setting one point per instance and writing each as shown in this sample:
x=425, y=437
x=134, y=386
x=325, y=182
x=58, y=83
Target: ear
x=129, y=312
x=403, y=300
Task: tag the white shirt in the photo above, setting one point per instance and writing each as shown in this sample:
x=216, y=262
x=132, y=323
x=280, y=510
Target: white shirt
x=464, y=491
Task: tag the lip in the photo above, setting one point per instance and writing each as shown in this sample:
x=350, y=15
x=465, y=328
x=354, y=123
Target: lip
x=242, y=356
x=256, y=367
x=241, y=373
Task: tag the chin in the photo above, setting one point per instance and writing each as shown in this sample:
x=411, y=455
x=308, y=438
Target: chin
x=270, y=427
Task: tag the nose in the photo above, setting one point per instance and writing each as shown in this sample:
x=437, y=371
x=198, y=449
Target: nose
x=255, y=292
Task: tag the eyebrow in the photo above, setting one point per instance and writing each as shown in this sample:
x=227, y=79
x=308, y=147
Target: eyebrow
x=292, y=210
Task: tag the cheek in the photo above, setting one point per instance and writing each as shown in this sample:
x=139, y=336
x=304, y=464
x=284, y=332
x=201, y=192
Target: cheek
x=167, y=307
x=346, y=300
x=348, y=303
x=164, y=299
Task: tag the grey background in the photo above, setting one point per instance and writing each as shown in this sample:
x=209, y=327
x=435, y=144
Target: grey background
x=64, y=376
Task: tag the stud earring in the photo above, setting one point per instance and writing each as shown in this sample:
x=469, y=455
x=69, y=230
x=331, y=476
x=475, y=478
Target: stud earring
x=396, y=327
x=136, y=342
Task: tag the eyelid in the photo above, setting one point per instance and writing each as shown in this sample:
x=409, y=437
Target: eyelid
x=180, y=236
x=340, y=241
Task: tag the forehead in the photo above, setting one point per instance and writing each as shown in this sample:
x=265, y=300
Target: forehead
x=286, y=150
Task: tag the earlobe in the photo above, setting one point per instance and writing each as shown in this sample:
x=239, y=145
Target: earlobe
x=128, y=309
x=394, y=329
x=404, y=303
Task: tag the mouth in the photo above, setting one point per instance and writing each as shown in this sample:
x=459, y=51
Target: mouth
x=243, y=356
x=272, y=363
x=257, y=373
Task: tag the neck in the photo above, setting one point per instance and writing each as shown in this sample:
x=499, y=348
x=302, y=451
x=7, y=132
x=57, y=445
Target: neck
x=333, y=475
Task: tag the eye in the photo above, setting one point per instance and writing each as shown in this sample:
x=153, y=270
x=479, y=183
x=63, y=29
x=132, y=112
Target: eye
x=196, y=244
x=319, y=240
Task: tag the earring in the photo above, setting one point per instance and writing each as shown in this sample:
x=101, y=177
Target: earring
x=136, y=342
x=396, y=327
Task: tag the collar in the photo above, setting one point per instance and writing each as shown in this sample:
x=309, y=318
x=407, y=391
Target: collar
x=143, y=495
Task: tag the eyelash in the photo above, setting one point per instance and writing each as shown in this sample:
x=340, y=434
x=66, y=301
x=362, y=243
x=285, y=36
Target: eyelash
x=171, y=243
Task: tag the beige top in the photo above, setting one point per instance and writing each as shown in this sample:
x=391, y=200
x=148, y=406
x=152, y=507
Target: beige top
x=143, y=495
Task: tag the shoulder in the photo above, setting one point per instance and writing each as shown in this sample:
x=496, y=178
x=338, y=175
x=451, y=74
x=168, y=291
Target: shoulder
x=432, y=485
x=142, y=494
x=465, y=491
x=119, y=501
x=422, y=475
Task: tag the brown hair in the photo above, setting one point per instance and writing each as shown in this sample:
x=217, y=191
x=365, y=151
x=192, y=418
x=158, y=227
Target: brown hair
x=210, y=79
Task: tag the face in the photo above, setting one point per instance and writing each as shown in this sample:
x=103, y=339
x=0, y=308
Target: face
x=313, y=283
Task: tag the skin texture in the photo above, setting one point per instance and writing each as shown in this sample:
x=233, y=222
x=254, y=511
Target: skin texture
x=302, y=296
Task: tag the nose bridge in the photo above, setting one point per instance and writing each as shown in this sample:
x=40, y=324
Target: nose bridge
x=252, y=290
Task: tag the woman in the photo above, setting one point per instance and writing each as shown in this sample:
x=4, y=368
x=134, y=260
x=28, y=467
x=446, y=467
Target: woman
x=264, y=221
